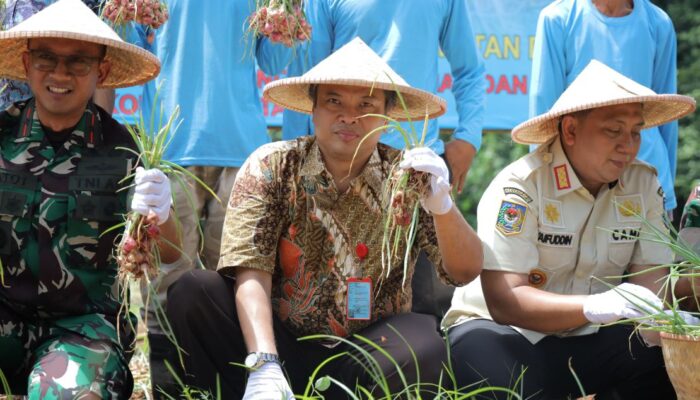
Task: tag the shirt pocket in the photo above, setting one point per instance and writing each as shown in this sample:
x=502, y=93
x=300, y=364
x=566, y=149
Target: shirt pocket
x=557, y=257
x=621, y=245
x=15, y=219
x=88, y=235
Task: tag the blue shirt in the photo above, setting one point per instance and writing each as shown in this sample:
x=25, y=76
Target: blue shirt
x=640, y=45
x=14, y=12
x=408, y=35
x=208, y=69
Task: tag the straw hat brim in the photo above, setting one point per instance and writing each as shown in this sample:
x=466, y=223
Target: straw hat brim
x=130, y=64
x=657, y=110
x=293, y=94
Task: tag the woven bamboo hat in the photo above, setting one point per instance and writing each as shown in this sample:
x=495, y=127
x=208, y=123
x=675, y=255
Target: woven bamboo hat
x=71, y=19
x=599, y=86
x=355, y=64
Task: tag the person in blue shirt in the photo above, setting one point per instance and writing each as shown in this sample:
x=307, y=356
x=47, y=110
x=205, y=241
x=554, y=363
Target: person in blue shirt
x=634, y=37
x=16, y=11
x=208, y=70
x=409, y=35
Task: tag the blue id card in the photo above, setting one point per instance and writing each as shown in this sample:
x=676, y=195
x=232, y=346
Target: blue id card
x=359, y=302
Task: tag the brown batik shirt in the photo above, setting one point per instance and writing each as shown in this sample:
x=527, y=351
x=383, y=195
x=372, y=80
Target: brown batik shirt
x=285, y=216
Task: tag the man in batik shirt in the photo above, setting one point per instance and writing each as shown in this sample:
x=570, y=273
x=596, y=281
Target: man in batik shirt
x=303, y=240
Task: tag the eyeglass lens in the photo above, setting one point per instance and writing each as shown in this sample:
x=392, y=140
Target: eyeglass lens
x=47, y=62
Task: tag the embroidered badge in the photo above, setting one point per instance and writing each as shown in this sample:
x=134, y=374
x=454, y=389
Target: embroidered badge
x=518, y=192
x=561, y=176
x=511, y=217
x=559, y=239
x=624, y=235
x=629, y=208
x=537, y=278
x=551, y=213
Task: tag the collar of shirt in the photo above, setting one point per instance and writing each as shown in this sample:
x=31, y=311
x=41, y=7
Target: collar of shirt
x=563, y=174
x=313, y=167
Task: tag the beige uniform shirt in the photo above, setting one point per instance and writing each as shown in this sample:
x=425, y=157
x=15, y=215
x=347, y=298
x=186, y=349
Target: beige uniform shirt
x=537, y=219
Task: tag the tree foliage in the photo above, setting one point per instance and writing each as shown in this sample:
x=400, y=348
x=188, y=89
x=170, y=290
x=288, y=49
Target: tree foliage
x=685, y=15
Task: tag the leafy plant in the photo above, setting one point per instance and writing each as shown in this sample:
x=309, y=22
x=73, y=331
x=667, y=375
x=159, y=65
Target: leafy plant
x=670, y=319
x=380, y=389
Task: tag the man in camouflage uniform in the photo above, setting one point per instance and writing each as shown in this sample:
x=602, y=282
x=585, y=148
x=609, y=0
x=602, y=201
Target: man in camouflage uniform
x=63, y=332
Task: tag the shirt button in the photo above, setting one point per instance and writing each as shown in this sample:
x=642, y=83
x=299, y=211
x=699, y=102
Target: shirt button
x=547, y=157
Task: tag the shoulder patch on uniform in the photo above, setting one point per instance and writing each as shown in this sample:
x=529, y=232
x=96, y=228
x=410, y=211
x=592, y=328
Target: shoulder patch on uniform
x=511, y=217
x=561, y=177
x=518, y=192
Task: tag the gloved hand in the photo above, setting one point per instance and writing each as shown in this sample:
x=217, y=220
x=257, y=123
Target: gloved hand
x=652, y=338
x=624, y=301
x=438, y=200
x=152, y=194
x=267, y=383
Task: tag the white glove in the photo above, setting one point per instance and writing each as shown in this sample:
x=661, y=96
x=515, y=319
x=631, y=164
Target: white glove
x=624, y=301
x=423, y=159
x=152, y=193
x=267, y=383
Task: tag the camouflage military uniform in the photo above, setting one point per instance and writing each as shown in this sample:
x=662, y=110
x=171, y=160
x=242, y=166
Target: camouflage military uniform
x=59, y=308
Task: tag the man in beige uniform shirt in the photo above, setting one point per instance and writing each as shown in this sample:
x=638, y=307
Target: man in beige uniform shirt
x=559, y=227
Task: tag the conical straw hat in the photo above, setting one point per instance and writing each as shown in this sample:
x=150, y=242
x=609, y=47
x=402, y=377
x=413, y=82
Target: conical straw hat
x=355, y=64
x=599, y=86
x=71, y=19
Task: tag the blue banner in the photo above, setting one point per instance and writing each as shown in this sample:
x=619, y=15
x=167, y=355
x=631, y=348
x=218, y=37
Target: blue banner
x=504, y=31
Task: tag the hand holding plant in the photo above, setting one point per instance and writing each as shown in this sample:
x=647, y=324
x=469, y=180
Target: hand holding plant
x=423, y=160
x=623, y=301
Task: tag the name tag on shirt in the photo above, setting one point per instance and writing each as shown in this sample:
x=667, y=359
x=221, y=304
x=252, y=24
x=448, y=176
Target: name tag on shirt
x=359, y=301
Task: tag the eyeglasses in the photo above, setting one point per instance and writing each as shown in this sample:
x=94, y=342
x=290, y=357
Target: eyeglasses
x=76, y=65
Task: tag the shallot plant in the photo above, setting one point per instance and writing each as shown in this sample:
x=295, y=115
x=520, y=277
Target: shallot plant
x=137, y=253
x=282, y=21
x=150, y=13
x=401, y=194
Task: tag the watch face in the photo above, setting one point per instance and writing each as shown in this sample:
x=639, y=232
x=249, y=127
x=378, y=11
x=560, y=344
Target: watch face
x=251, y=360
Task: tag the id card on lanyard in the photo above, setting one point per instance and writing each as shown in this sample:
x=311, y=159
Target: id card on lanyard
x=359, y=300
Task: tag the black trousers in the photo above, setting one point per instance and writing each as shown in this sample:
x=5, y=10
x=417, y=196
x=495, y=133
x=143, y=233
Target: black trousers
x=613, y=363
x=201, y=309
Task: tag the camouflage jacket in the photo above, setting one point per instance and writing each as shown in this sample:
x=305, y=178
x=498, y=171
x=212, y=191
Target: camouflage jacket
x=54, y=205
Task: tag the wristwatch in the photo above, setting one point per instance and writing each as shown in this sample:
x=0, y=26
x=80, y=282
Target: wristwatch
x=256, y=360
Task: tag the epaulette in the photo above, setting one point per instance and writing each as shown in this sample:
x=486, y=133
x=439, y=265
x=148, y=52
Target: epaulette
x=527, y=164
x=643, y=164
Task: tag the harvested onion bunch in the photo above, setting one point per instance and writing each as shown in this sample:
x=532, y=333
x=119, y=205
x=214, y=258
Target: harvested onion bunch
x=282, y=21
x=151, y=13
